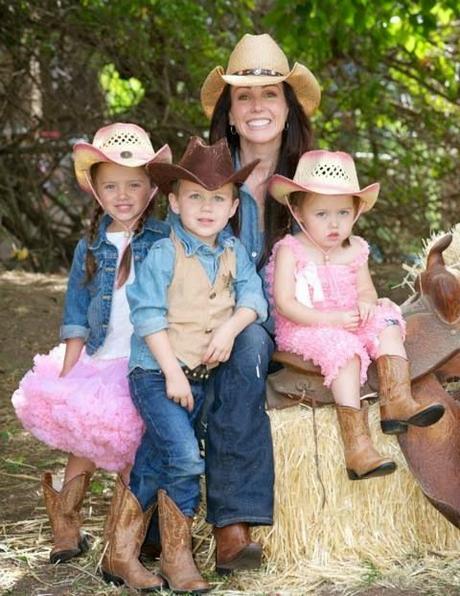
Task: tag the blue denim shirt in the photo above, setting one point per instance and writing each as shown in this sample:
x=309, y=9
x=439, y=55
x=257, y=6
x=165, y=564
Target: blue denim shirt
x=148, y=295
x=250, y=233
x=87, y=306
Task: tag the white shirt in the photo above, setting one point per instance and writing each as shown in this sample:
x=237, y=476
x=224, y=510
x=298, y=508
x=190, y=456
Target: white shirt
x=118, y=337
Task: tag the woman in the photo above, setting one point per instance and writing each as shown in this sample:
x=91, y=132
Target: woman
x=262, y=107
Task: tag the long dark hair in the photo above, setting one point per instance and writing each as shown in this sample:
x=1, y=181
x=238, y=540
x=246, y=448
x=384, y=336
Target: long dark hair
x=297, y=138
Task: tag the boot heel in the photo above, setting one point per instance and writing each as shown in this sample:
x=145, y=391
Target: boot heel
x=393, y=427
x=112, y=579
x=352, y=475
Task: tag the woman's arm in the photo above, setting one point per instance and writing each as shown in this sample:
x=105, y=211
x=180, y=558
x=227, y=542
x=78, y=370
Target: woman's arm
x=287, y=304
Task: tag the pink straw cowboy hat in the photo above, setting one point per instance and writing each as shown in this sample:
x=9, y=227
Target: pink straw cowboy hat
x=120, y=143
x=324, y=173
x=255, y=61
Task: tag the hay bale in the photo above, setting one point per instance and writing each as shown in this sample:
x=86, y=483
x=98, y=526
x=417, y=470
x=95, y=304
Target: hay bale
x=377, y=520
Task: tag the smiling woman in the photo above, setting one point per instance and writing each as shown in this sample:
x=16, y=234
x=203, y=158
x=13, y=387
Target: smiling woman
x=262, y=107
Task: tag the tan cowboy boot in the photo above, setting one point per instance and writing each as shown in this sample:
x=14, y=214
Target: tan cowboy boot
x=235, y=550
x=63, y=509
x=397, y=406
x=177, y=566
x=361, y=458
x=124, y=532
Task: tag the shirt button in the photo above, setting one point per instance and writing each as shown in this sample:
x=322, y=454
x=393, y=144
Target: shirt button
x=253, y=254
x=212, y=295
x=208, y=330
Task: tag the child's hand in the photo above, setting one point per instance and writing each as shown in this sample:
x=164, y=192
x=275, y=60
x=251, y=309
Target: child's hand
x=348, y=319
x=366, y=311
x=221, y=344
x=178, y=389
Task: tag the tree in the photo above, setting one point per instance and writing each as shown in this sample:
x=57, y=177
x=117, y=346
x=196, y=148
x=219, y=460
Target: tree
x=388, y=70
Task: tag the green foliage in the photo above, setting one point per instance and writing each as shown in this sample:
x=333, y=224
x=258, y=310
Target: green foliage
x=120, y=94
x=389, y=74
x=388, y=71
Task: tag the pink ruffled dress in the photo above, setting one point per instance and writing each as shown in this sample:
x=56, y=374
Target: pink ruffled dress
x=88, y=412
x=330, y=287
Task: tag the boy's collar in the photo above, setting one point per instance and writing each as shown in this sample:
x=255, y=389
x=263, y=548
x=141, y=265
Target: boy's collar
x=192, y=244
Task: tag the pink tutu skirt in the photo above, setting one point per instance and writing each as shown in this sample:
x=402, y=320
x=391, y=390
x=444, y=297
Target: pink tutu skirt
x=88, y=413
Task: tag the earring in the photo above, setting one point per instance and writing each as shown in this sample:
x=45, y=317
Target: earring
x=286, y=125
x=232, y=129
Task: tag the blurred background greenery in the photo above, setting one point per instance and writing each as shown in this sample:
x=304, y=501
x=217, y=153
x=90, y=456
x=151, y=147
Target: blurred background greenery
x=389, y=73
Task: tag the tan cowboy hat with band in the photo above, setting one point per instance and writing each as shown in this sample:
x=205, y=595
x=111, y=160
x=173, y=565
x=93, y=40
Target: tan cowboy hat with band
x=121, y=143
x=255, y=61
x=324, y=173
x=210, y=166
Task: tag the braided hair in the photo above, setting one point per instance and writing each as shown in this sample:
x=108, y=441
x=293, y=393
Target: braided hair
x=124, y=268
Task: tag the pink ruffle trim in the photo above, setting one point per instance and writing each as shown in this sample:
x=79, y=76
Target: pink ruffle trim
x=88, y=413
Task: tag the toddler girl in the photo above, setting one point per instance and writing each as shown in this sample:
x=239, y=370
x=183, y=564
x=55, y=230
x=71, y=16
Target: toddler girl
x=76, y=398
x=327, y=310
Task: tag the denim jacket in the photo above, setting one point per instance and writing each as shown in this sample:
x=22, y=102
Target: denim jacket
x=147, y=295
x=87, y=306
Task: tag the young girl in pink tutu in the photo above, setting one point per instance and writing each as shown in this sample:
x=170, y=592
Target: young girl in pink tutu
x=326, y=308
x=76, y=398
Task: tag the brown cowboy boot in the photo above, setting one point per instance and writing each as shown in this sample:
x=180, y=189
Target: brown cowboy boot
x=124, y=532
x=63, y=509
x=151, y=547
x=361, y=458
x=177, y=566
x=235, y=550
x=397, y=406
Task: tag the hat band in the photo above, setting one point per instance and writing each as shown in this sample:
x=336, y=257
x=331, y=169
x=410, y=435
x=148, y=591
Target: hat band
x=264, y=72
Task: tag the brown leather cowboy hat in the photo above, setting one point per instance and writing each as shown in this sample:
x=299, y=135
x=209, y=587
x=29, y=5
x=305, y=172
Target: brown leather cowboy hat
x=210, y=166
x=258, y=60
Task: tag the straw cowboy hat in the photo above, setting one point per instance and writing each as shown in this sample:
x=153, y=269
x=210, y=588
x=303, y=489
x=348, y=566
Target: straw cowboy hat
x=120, y=143
x=255, y=61
x=325, y=173
x=210, y=166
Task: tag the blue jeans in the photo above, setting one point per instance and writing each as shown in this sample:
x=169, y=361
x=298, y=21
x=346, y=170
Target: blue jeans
x=169, y=455
x=239, y=453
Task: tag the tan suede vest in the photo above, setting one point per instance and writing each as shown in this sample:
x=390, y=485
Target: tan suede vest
x=195, y=306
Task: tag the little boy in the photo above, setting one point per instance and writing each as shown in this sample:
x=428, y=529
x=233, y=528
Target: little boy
x=196, y=291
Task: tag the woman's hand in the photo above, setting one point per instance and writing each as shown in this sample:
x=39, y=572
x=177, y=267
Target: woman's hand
x=178, y=389
x=221, y=344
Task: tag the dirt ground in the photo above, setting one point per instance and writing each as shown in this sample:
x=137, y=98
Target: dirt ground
x=30, y=310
